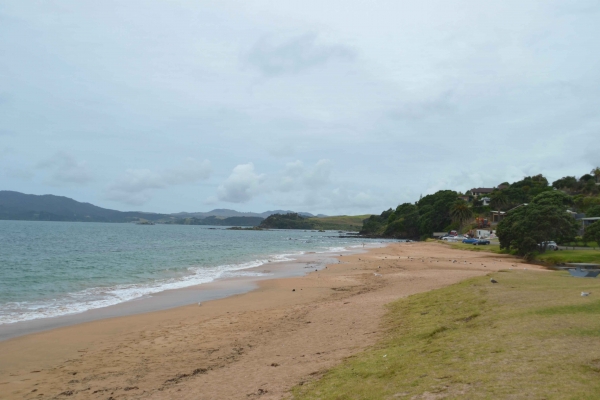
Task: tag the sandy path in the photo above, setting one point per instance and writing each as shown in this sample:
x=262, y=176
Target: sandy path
x=258, y=344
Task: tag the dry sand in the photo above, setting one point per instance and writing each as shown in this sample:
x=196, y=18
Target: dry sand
x=258, y=344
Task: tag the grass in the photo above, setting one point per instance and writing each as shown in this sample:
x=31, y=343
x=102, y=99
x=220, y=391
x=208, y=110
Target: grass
x=530, y=336
x=572, y=256
x=581, y=244
x=490, y=248
x=549, y=257
x=340, y=222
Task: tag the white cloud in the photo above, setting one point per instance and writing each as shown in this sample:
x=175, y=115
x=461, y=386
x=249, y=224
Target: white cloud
x=242, y=185
x=64, y=169
x=135, y=187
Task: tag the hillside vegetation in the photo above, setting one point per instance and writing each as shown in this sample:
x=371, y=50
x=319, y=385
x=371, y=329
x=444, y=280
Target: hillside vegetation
x=531, y=335
x=20, y=206
x=212, y=220
x=535, y=210
x=296, y=221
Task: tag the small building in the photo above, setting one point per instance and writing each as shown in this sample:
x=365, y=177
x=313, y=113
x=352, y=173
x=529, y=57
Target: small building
x=585, y=222
x=497, y=216
x=486, y=201
x=465, y=198
x=482, y=233
x=481, y=191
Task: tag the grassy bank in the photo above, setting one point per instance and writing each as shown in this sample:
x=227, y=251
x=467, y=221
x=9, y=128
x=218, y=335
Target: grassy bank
x=581, y=244
x=570, y=256
x=530, y=336
x=549, y=257
x=490, y=248
x=340, y=222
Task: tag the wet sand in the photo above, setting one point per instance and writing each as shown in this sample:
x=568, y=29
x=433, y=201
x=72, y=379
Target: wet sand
x=257, y=344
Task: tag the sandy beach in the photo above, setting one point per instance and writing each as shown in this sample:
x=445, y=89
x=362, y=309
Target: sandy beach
x=254, y=345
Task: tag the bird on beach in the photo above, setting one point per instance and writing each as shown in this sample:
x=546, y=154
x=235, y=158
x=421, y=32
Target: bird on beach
x=585, y=294
x=493, y=280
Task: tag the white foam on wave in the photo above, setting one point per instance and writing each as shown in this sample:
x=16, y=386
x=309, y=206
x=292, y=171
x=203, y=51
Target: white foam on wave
x=99, y=297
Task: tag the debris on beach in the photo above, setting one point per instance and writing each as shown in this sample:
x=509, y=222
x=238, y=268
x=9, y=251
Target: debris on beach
x=585, y=294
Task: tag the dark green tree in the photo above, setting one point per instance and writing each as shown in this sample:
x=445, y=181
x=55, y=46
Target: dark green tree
x=596, y=173
x=553, y=198
x=545, y=219
x=499, y=200
x=461, y=213
x=592, y=233
x=434, y=210
x=593, y=211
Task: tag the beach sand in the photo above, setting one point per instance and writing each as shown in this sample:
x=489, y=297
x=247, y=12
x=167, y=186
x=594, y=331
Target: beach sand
x=254, y=345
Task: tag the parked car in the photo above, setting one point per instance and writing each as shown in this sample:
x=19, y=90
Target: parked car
x=548, y=245
x=475, y=241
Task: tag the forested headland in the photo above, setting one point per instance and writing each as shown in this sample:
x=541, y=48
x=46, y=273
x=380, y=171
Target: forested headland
x=529, y=211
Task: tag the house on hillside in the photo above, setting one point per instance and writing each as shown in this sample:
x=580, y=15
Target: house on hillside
x=486, y=201
x=585, y=222
x=465, y=198
x=481, y=191
x=498, y=216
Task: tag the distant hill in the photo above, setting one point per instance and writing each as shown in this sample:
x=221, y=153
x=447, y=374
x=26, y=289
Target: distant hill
x=212, y=220
x=297, y=221
x=226, y=213
x=20, y=206
x=48, y=207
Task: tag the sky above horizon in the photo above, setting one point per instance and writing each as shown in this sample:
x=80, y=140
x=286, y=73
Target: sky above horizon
x=330, y=107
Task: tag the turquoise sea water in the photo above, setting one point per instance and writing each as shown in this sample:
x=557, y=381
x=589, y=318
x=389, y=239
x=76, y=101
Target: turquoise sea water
x=57, y=268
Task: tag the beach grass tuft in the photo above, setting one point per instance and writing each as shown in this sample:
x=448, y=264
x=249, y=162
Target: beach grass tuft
x=531, y=335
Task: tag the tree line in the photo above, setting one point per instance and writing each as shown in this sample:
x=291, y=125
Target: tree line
x=544, y=217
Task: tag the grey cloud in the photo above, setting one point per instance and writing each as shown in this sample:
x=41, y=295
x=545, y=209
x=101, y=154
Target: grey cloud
x=22, y=174
x=64, y=169
x=241, y=186
x=273, y=56
x=320, y=175
x=136, y=186
x=425, y=108
x=402, y=98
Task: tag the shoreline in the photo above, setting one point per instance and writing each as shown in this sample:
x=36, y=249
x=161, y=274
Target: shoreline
x=199, y=293
x=260, y=343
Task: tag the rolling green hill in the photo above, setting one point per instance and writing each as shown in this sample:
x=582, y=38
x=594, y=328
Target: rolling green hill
x=296, y=221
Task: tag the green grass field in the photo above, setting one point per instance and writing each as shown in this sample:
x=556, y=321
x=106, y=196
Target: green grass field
x=340, y=222
x=490, y=248
x=531, y=335
x=573, y=256
x=549, y=257
x=582, y=244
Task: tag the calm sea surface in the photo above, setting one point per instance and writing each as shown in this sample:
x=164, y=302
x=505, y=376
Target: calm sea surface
x=57, y=268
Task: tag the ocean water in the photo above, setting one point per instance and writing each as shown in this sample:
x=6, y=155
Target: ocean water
x=50, y=269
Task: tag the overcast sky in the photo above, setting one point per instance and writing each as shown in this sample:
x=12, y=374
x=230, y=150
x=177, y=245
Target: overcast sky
x=334, y=107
